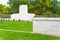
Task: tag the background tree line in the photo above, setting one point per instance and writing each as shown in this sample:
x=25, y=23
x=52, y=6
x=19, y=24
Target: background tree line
x=39, y=7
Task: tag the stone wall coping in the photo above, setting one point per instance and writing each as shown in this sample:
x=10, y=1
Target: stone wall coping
x=45, y=19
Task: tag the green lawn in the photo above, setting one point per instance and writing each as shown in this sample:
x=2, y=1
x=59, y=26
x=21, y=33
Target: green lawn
x=4, y=35
x=22, y=26
x=15, y=25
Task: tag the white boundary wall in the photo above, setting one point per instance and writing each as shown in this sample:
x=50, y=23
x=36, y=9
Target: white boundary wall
x=48, y=26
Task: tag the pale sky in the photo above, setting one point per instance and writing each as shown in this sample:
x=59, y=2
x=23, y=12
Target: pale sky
x=58, y=0
x=4, y=2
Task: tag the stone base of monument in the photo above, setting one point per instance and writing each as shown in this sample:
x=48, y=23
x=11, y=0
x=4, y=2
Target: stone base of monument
x=48, y=26
x=23, y=17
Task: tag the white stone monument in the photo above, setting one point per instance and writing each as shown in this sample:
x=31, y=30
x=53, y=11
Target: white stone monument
x=23, y=9
x=23, y=14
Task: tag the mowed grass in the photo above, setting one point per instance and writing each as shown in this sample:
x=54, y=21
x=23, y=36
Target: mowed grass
x=15, y=25
x=21, y=26
x=4, y=35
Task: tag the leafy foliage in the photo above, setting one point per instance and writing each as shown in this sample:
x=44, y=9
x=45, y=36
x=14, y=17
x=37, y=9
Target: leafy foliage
x=14, y=4
x=4, y=9
x=44, y=8
x=0, y=8
x=39, y=7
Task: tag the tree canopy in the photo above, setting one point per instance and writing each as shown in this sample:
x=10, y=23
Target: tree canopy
x=14, y=4
x=4, y=9
x=39, y=7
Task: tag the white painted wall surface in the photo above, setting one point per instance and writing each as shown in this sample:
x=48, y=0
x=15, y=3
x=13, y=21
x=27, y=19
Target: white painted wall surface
x=48, y=26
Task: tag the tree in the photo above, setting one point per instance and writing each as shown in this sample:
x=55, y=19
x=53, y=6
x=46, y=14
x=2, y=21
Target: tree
x=39, y=7
x=5, y=9
x=58, y=11
x=1, y=8
x=44, y=7
x=14, y=4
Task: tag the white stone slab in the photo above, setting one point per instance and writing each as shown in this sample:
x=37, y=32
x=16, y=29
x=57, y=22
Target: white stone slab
x=48, y=26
